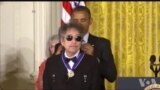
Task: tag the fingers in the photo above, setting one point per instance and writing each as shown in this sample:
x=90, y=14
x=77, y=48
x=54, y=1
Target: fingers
x=87, y=48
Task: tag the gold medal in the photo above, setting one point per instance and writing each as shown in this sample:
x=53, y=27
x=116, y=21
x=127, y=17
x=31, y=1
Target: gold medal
x=70, y=73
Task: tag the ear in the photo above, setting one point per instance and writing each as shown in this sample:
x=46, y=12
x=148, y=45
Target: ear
x=91, y=20
x=62, y=41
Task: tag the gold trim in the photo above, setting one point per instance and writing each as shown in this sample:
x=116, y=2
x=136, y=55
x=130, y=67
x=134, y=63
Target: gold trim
x=153, y=86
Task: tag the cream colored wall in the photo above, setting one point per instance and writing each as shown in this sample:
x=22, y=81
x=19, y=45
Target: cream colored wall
x=24, y=30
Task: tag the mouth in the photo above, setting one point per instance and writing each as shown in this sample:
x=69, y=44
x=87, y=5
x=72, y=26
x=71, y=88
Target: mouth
x=74, y=46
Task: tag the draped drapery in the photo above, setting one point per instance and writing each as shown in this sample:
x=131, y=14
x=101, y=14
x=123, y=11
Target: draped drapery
x=134, y=31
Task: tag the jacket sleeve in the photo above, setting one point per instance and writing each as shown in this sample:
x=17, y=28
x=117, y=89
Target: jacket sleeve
x=46, y=78
x=107, y=65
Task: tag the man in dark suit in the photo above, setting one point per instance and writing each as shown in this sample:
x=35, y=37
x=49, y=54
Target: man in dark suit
x=102, y=47
x=72, y=69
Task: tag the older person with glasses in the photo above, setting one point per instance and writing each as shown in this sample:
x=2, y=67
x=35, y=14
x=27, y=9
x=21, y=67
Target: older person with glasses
x=72, y=69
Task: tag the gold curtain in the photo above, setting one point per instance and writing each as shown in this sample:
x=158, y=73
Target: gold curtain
x=134, y=31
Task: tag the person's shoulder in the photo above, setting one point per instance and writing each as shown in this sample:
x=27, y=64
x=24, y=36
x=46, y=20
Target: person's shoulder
x=104, y=39
x=53, y=58
x=91, y=60
x=100, y=39
x=42, y=64
x=90, y=57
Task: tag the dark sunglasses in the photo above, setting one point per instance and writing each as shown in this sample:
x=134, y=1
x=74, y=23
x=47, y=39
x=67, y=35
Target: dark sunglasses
x=70, y=38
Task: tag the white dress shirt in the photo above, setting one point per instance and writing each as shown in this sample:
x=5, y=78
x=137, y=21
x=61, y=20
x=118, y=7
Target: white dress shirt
x=85, y=38
x=71, y=63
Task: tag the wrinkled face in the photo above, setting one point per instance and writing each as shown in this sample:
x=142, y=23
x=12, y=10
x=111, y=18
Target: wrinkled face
x=82, y=18
x=71, y=41
x=52, y=45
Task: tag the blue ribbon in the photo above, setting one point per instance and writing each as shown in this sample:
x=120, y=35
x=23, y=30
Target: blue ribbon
x=78, y=60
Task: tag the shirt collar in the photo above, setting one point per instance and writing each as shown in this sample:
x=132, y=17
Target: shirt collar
x=75, y=55
x=85, y=38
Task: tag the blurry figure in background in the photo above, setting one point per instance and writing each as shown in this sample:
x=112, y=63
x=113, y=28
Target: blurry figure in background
x=52, y=43
x=51, y=46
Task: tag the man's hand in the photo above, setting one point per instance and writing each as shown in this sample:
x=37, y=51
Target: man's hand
x=87, y=48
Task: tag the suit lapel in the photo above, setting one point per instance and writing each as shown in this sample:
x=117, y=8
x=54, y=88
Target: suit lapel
x=95, y=41
x=62, y=66
x=91, y=39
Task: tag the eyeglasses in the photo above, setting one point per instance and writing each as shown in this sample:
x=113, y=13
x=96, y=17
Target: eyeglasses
x=78, y=38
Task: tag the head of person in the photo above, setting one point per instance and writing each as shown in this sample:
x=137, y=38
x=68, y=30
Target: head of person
x=54, y=39
x=82, y=15
x=71, y=36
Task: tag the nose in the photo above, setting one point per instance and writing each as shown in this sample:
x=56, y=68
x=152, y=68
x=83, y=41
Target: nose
x=73, y=40
x=79, y=21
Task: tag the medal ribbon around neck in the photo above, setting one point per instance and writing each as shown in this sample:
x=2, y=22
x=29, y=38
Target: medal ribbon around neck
x=78, y=60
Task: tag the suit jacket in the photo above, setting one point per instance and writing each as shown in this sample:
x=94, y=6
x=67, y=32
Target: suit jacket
x=102, y=50
x=86, y=75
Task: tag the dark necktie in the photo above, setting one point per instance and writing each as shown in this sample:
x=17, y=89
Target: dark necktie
x=71, y=59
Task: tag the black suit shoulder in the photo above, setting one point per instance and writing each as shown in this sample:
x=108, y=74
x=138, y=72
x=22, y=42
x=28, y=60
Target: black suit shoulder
x=90, y=60
x=90, y=57
x=99, y=40
x=52, y=58
x=52, y=62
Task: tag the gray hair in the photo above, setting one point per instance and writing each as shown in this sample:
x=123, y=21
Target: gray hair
x=65, y=27
x=53, y=37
